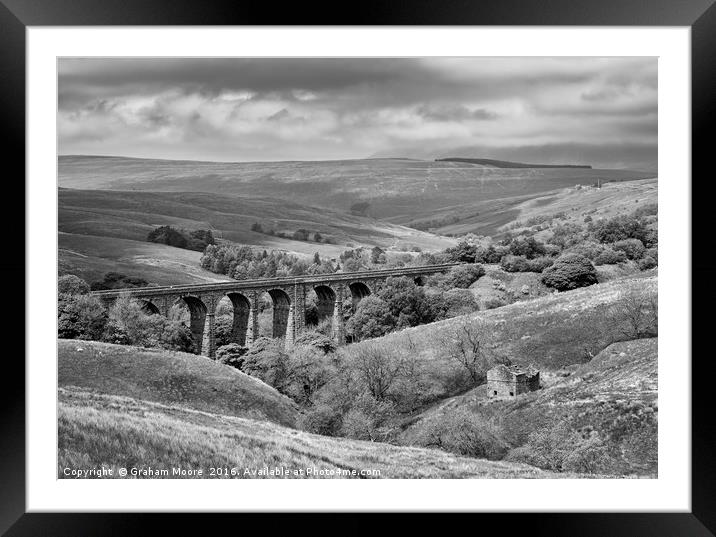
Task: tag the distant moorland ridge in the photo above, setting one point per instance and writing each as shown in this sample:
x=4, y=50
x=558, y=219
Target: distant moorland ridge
x=508, y=164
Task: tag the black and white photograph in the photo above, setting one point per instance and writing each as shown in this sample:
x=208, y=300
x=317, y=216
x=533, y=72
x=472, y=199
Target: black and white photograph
x=357, y=268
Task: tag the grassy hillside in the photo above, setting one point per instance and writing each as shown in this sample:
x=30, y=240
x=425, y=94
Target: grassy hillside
x=102, y=231
x=121, y=432
x=91, y=256
x=614, y=394
x=551, y=331
x=402, y=191
x=171, y=378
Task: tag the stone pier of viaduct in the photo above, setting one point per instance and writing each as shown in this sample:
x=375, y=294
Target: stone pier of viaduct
x=287, y=294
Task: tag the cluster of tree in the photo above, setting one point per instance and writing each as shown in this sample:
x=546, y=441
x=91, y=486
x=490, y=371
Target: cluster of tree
x=82, y=316
x=242, y=262
x=301, y=234
x=401, y=303
x=603, y=242
x=360, y=208
x=116, y=280
x=197, y=239
x=426, y=225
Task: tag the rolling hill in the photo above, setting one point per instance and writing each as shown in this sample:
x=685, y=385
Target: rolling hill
x=97, y=429
x=401, y=191
x=106, y=230
x=182, y=410
x=551, y=332
x=507, y=164
x=172, y=378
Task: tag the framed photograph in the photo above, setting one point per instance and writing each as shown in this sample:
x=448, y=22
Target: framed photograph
x=409, y=262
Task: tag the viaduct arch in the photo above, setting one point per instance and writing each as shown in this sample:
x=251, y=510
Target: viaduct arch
x=288, y=296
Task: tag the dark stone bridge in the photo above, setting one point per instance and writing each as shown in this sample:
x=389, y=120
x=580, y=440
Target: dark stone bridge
x=287, y=294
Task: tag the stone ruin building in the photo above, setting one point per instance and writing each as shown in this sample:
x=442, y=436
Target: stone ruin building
x=510, y=381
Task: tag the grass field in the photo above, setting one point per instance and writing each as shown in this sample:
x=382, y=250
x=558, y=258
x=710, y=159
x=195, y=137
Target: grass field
x=121, y=432
x=172, y=378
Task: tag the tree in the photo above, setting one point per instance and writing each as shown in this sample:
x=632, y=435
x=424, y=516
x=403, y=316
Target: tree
x=371, y=319
x=406, y=302
x=467, y=346
x=526, y=246
x=316, y=259
x=463, y=432
x=369, y=419
x=359, y=208
x=570, y=271
x=377, y=369
x=463, y=276
x=633, y=248
x=80, y=316
x=375, y=255
x=316, y=340
x=308, y=370
x=266, y=360
x=231, y=355
x=622, y=227
x=634, y=315
x=72, y=285
x=462, y=252
x=129, y=324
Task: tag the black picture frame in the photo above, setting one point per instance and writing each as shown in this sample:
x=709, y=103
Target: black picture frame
x=17, y=15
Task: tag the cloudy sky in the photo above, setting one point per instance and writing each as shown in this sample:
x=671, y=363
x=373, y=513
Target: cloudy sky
x=598, y=111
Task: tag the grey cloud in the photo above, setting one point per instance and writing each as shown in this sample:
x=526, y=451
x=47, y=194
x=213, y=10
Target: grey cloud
x=312, y=108
x=454, y=113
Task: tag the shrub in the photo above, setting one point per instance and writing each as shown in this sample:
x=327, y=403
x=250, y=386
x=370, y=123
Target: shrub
x=620, y=228
x=566, y=235
x=316, y=340
x=608, y=256
x=72, y=285
x=633, y=248
x=129, y=324
x=570, y=271
x=369, y=419
x=539, y=264
x=526, y=246
x=512, y=263
x=588, y=249
x=463, y=432
x=491, y=254
x=463, y=276
x=321, y=419
x=646, y=263
x=231, y=355
x=562, y=449
x=462, y=252
x=493, y=302
x=80, y=317
x=458, y=302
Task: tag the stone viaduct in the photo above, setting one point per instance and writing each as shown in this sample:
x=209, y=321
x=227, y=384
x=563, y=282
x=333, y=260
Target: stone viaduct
x=287, y=294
